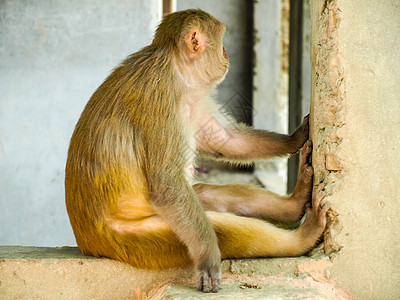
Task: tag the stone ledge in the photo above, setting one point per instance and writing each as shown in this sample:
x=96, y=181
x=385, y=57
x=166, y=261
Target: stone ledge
x=24, y=252
x=63, y=272
x=256, y=287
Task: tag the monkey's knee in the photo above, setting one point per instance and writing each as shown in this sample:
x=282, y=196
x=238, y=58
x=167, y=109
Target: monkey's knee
x=138, y=227
x=148, y=244
x=199, y=188
x=209, y=197
x=203, y=193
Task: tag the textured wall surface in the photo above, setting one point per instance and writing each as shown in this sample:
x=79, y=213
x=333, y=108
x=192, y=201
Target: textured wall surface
x=355, y=130
x=53, y=55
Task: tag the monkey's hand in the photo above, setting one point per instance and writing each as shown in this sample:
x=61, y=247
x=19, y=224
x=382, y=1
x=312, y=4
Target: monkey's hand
x=300, y=136
x=210, y=272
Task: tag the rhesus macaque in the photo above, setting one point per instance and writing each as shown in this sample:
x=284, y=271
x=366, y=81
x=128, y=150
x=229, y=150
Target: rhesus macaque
x=129, y=172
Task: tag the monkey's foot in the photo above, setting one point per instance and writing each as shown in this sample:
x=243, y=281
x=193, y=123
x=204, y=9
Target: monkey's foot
x=303, y=189
x=314, y=225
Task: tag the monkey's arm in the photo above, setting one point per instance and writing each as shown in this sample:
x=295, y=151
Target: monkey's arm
x=240, y=142
x=174, y=200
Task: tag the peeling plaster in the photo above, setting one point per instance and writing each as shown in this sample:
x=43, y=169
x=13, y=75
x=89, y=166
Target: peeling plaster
x=329, y=116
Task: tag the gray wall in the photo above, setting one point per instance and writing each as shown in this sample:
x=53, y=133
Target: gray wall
x=270, y=106
x=53, y=55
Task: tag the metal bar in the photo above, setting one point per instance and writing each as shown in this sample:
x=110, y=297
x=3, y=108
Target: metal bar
x=295, y=81
x=168, y=6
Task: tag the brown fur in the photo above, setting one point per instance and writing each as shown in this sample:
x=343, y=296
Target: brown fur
x=128, y=173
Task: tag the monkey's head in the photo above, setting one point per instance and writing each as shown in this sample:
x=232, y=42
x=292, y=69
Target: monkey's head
x=196, y=40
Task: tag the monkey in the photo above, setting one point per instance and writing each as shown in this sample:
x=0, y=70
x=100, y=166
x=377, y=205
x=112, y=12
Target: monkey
x=129, y=183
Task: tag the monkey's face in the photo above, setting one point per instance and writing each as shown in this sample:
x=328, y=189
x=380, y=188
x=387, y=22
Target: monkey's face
x=215, y=58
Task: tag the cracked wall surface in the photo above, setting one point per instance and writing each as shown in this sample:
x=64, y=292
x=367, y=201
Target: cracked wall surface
x=355, y=121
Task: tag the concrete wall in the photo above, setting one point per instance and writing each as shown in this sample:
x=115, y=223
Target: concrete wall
x=53, y=55
x=270, y=96
x=355, y=130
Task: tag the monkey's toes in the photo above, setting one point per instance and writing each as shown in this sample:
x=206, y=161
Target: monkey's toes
x=305, y=153
x=303, y=189
x=316, y=218
x=318, y=196
x=308, y=174
x=323, y=214
x=304, y=183
x=318, y=209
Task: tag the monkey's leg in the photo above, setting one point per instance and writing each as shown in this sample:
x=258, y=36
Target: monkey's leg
x=249, y=237
x=250, y=201
x=150, y=243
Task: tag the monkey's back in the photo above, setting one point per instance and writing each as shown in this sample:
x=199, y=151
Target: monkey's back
x=100, y=166
x=113, y=148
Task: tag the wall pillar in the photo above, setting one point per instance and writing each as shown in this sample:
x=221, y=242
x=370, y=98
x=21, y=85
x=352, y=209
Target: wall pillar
x=355, y=121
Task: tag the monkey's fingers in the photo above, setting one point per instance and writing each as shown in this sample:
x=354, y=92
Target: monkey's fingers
x=209, y=283
x=204, y=283
x=215, y=284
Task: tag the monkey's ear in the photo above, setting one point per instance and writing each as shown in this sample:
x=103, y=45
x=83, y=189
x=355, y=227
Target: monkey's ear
x=195, y=42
